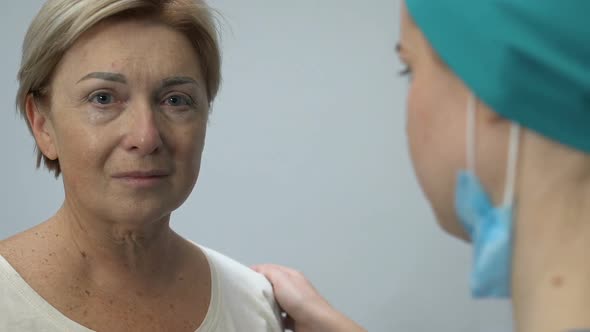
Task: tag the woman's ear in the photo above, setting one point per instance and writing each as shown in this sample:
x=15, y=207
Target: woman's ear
x=41, y=127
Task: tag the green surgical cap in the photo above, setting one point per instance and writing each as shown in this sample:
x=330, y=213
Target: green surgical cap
x=529, y=60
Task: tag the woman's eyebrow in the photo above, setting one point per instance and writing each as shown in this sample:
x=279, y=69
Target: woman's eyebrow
x=178, y=80
x=114, y=77
x=119, y=78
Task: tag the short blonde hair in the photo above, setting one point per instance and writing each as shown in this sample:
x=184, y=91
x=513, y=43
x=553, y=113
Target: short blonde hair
x=60, y=23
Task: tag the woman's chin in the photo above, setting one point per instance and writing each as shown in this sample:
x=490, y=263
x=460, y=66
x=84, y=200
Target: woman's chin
x=138, y=213
x=136, y=219
x=141, y=208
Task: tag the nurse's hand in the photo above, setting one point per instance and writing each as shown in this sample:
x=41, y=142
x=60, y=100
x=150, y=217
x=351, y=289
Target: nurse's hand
x=307, y=310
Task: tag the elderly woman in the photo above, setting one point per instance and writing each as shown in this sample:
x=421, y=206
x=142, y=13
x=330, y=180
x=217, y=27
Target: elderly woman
x=117, y=95
x=499, y=133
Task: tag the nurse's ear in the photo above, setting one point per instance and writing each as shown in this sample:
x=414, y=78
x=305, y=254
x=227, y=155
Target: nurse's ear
x=488, y=116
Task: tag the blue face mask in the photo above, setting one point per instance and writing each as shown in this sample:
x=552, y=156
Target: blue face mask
x=489, y=227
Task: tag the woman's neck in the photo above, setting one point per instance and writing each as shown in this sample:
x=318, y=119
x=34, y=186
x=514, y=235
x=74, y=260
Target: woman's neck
x=112, y=255
x=551, y=262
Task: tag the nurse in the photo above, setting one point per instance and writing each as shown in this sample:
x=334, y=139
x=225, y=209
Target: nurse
x=499, y=134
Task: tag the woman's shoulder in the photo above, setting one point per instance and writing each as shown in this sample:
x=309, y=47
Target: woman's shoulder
x=22, y=308
x=3, y=247
x=24, y=251
x=9, y=248
x=13, y=245
x=232, y=270
x=243, y=290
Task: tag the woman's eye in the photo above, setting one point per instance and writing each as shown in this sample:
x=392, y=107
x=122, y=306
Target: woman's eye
x=178, y=100
x=102, y=98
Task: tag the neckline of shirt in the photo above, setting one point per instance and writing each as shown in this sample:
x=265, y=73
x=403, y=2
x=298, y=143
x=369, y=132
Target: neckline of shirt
x=63, y=323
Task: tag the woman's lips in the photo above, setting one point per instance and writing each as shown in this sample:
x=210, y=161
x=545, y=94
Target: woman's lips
x=142, y=179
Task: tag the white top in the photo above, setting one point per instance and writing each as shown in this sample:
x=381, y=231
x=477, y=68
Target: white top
x=241, y=300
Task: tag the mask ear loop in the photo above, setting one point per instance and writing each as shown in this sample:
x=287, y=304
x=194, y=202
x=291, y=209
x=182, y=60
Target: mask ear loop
x=511, y=168
x=513, y=149
x=471, y=122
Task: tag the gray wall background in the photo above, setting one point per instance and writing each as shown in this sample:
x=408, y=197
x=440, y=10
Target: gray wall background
x=305, y=165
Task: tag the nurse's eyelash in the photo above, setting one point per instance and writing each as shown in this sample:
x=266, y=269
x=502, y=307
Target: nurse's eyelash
x=401, y=53
x=406, y=71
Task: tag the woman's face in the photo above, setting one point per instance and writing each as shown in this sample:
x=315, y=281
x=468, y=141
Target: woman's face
x=127, y=120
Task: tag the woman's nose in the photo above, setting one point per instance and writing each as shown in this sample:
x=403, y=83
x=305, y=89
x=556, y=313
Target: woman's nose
x=143, y=134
